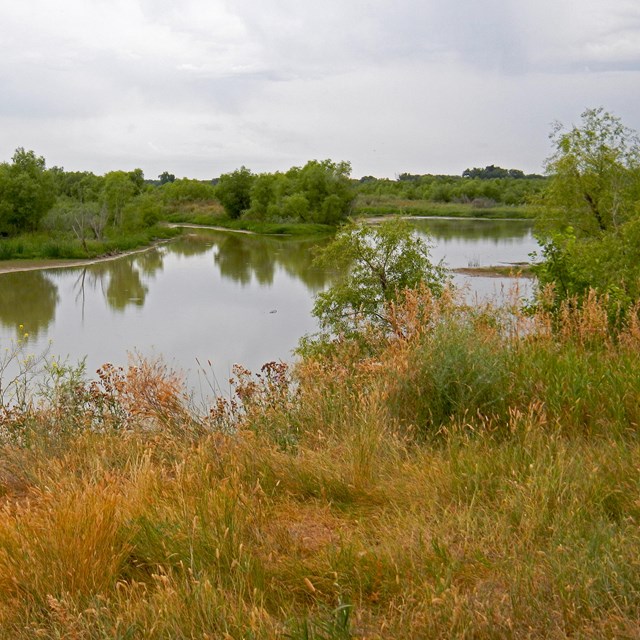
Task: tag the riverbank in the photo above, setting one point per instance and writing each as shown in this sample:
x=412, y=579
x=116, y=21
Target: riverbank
x=13, y=266
x=476, y=477
x=370, y=206
x=36, y=264
x=222, y=222
x=50, y=248
x=519, y=270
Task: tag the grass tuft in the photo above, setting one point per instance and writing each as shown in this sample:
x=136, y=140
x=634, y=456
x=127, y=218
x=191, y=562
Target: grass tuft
x=472, y=473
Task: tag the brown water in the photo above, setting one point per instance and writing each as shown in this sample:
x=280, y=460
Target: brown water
x=215, y=297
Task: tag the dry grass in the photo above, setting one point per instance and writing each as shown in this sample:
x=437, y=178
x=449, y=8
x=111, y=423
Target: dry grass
x=474, y=476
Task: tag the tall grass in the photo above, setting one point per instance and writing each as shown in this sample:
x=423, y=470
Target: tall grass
x=367, y=205
x=473, y=475
x=54, y=246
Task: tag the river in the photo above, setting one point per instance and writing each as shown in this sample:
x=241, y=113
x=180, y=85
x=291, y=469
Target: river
x=214, y=298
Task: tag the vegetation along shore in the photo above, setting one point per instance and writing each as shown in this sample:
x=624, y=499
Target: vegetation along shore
x=426, y=468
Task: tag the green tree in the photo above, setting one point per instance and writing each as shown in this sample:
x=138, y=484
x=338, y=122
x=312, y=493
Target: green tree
x=186, y=190
x=590, y=219
x=379, y=263
x=165, y=177
x=594, y=185
x=234, y=191
x=118, y=190
x=319, y=181
x=137, y=178
x=27, y=192
x=320, y=191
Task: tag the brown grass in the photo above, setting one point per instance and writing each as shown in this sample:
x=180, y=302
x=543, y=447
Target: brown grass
x=473, y=476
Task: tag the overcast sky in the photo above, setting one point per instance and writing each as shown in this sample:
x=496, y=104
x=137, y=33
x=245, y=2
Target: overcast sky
x=200, y=87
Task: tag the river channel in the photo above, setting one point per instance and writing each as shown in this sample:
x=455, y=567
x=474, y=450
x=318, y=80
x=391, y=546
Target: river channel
x=214, y=298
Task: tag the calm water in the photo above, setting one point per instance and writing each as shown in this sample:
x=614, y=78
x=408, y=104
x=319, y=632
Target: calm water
x=213, y=296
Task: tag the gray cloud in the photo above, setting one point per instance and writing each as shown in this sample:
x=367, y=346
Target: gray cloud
x=202, y=86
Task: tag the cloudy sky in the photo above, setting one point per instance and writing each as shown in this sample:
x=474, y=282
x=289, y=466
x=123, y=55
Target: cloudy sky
x=200, y=87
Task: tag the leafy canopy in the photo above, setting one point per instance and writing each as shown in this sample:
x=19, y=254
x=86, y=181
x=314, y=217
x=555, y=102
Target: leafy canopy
x=594, y=171
x=234, y=191
x=378, y=263
x=27, y=192
x=589, y=226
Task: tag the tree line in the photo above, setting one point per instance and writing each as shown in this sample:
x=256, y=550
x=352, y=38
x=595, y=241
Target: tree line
x=90, y=206
x=588, y=206
x=478, y=187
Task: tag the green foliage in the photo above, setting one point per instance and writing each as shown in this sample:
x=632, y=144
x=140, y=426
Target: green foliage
x=379, y=263
x=326, y=187
x=54, y=244
x=491, y=171
x=390, y=206
x=118, y=190
x=234, y=191
x=166, y=177
x=595, y=176
x=142, y=211
x=83, y=186
x=137, y=179
x=26, y=192
x=186, y=190
x=319, y=192
x=589, y=225
x=477, y=187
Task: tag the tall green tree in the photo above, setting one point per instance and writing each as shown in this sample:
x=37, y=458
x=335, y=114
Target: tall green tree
x=166, y=177
x=234, y=191
x=378, y=262
x=589, y=225
x=320, y=191
x=594, y=173
x=118, y=190
x=27, y=192
x=326, y=186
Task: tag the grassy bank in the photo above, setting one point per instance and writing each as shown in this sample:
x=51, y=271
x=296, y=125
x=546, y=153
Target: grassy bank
x=473, y=476
x=388, y=205
x=217, y=218
x=54, y=246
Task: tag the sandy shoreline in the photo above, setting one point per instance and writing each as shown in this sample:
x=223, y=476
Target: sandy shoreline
x=13, y=266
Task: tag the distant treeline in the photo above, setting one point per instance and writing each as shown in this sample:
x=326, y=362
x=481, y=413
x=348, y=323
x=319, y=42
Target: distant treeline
x=89, y=208
x=479, y=187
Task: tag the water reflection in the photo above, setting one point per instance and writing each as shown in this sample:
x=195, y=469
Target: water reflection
x=123, y=282
x=150, y=262
x=125, y=286
x=478, y=243
x=465, y=230
x=192, y=244
x=234, y=261
x=29, y=299
x=243, y=258
x=214, y=296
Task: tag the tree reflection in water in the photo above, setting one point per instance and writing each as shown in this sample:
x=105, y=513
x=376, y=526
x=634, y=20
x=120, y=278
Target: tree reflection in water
x=466, y=230
x=242, y=257
x=120, y=280
x=27, y=298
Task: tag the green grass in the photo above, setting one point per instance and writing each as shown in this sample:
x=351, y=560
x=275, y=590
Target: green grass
x=475, y=477
x=56, y=246
x=254, y=226
x=385, y=205
x=277, y=228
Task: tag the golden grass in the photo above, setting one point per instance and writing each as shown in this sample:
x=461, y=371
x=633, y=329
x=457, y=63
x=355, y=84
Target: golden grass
x=450, y=481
